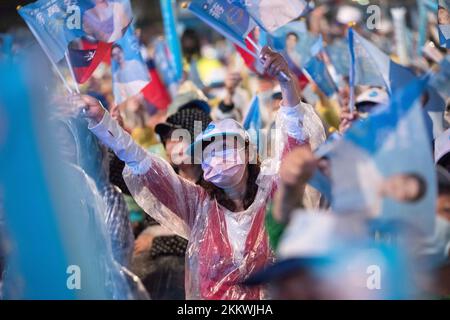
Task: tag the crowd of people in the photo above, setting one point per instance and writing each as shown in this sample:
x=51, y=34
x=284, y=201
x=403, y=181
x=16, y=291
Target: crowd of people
x=196, y=206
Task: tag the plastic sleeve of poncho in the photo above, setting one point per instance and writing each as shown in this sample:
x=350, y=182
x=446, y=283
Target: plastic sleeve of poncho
x=297, y=125
x=156, y=188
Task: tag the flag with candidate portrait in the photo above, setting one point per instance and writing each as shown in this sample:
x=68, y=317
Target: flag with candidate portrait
x=56, y=23
x=391, y=177
x=129, y=71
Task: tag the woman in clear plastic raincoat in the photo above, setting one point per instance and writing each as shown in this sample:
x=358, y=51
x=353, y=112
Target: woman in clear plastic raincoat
x=224, y=219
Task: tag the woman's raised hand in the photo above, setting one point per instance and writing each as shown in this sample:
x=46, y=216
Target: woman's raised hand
x=89, y=107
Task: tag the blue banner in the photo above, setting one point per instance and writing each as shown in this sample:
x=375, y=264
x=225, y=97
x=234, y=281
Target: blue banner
x=391, y=177
x=56, y=23
x=171, y=35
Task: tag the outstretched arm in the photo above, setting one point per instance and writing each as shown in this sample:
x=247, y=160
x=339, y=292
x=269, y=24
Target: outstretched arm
x=153, y=183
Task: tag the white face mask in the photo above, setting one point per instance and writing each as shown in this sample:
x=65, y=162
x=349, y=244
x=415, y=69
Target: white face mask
x=224, y=168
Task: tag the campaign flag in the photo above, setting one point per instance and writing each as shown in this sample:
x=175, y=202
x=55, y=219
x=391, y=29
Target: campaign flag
x=443, y=17
x=339, y=57
x=230, y=20
x=391, y=177
x=371, y=66
x=253, y=122
x=273, y=14
x=316, y=70
x=56, y=23
x=129, y=71
x=166, y=67
x=171, y=35
x=156, y=92
x=85, y=57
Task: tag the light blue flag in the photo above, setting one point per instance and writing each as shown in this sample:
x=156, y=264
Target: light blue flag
x=371, y=66
x=317, y=70
x=129, y=71
x=56, y=23
x=339, y=56
x=383, y=169
x=273, y=14
x=171, y=35
x=166, y=67
x=227, y=18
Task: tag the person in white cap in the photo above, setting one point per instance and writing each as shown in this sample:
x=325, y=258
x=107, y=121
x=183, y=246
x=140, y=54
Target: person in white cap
x=224, y=220
x=442, y=150
x=369, y=99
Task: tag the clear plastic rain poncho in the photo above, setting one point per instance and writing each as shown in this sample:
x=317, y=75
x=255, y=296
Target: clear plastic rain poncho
x=83, y=149
x=224, y=247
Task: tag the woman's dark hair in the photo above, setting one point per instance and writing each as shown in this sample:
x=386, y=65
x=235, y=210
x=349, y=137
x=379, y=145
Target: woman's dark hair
x=252, y=188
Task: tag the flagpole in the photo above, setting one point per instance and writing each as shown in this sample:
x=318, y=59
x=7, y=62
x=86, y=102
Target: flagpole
x=69, y=64
x=352, y=66
x=44, y=48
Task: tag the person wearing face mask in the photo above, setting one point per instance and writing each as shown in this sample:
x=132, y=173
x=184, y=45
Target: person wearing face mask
x=224, y=219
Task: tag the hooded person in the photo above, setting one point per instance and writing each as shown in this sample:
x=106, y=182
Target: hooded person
x=223, y=220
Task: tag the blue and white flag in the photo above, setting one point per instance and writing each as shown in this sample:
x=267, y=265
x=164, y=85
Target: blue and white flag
x=339, y=57
x=273, y=14
x=391, y=177
x=227, y=18
x=166, y=66
x=56, y=23
x=370, y=66
x=443, y=17
x=129, y=71
x=317, y=71
x=171, y=35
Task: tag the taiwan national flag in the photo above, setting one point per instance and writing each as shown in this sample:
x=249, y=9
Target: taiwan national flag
x=87, y=56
